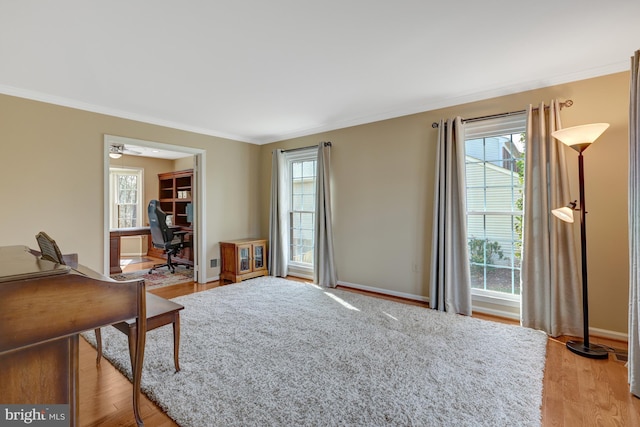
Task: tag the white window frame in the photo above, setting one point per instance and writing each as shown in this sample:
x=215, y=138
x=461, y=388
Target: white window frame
x=114, y=172
x=512, y=124
x=301, y=269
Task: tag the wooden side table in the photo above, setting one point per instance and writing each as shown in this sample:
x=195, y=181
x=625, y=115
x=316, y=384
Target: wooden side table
x=160, y=312
x=243, y=259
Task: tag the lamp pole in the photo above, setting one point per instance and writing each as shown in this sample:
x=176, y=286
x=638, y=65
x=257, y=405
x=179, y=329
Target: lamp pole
x=579, y=138
x=584, y=348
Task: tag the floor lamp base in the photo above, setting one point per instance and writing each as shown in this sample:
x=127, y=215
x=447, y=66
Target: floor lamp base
x=593, y=351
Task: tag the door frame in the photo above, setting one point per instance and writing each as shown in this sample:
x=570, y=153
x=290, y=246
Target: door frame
x=199, y=217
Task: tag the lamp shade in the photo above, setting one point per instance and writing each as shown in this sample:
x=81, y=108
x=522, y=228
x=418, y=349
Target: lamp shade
x=115, y=155
x=580, y=135
x=564, y=213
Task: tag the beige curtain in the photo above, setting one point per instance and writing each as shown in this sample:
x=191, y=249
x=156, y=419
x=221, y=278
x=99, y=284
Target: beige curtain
x=450, y=282
x=324, y=271
x=278, y=242
x=634, y=227
x=551, y=292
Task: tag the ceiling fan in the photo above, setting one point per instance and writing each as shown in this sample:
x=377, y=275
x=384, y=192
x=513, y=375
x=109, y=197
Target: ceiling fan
x=117, y=150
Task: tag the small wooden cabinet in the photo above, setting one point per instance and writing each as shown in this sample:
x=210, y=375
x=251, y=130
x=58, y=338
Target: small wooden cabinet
x=243, y=259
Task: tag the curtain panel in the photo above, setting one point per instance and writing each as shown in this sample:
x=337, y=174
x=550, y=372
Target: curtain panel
x=324, y=271
x=278, y=242
x=634, y=226
x=551, y=291
x=450, y=282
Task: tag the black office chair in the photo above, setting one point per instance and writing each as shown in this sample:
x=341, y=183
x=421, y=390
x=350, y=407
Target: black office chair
x=163, y=237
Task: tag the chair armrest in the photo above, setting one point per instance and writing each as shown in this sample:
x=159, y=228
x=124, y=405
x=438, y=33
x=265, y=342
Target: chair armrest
x=180, y=234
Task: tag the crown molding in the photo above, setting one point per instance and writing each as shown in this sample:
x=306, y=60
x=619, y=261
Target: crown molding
x=429, y=105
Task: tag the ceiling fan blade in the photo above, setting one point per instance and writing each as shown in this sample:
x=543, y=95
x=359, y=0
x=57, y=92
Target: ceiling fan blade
x=126, y=150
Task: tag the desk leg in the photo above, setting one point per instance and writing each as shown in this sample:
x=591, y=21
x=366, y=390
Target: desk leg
x=176, y=340
x=114, y=255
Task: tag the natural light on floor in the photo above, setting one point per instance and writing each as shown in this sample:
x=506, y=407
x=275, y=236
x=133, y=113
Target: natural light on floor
x=394, y=318
x=341, y=301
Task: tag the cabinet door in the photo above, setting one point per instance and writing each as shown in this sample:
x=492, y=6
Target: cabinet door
x=244, y=259
x=259, y=256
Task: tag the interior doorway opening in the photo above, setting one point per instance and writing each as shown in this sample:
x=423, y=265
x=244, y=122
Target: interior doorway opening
x=126, y=216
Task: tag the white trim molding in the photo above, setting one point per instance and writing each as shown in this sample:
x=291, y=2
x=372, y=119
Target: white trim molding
x=383, y=291
x=507, y=302
x=201, y=206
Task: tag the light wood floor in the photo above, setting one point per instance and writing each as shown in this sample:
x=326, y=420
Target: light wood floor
x=577, y=391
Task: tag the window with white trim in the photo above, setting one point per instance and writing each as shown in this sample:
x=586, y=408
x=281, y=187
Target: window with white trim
x=302, y=167
x=494, y=160
x=125, y=208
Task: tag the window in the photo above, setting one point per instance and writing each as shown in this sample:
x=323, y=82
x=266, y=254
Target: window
x=126, y=197
x=302, y=182
x=494, y=160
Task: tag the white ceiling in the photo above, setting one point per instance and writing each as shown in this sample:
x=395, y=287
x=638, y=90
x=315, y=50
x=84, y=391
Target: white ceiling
x=260, y=71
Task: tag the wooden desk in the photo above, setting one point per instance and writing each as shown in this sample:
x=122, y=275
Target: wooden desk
x=43, y=308
x=160, y=312
x=115, y=247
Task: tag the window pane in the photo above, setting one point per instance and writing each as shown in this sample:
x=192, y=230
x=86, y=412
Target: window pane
x=494, y=171
x=476, y=199
x=301, y=236
x=125, y=189
x=474, y=148
x=309, y=169
x=308, y=202
x=296, y=169
x=295, y=220
x=475, y=227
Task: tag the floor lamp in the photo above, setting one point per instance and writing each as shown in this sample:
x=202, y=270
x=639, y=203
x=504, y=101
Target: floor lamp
x=580, y=138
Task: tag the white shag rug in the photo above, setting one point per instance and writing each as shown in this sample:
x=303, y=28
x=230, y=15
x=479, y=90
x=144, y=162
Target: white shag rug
x=273, y=352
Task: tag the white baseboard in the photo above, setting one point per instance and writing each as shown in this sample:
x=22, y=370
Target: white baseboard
x=484, y=310
x=383, y=291
x=605, y=333
x=597, y=332
x=211, y=279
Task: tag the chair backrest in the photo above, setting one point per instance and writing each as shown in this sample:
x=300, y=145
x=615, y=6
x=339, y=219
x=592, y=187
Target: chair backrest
x=49, y=248
x=161, y=234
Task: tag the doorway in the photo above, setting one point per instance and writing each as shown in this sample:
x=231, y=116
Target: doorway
x=142, y=152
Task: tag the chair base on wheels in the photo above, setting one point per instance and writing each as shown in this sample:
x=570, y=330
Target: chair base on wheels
x=170, y=264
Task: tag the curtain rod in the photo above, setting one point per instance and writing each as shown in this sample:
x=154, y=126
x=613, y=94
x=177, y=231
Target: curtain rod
x=568, y=103
x=326, y=144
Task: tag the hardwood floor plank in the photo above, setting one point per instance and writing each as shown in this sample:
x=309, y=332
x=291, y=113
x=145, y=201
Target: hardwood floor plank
x=576, y=391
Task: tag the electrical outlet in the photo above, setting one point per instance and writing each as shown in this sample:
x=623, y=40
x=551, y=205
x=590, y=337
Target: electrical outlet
x=214, y=263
